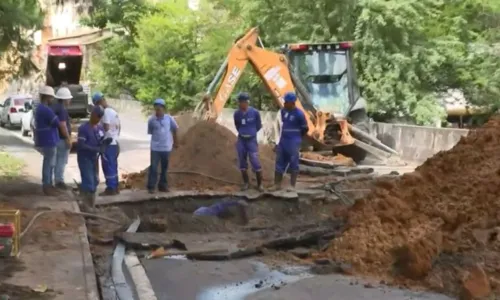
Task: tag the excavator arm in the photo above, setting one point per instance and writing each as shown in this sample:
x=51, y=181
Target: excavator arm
x=272, y=68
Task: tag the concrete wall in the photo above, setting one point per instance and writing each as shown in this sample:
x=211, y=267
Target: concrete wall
x=417, y=143
x=414, y=143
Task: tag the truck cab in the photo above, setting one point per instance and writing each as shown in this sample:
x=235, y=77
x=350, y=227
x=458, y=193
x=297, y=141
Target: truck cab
x=64, y=67
x=327, y=72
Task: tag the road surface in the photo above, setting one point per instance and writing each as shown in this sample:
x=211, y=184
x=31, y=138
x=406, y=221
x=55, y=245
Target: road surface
x=251, y=280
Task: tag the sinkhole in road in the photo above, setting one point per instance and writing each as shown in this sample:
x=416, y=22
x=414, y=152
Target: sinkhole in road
x=264, y=224
x=274, y=230
x=176, y=214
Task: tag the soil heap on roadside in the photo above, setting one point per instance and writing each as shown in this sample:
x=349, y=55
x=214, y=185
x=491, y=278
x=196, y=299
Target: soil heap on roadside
x=438, y=227
x=206, y=159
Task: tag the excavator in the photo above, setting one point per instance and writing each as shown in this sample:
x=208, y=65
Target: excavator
x=324, y=79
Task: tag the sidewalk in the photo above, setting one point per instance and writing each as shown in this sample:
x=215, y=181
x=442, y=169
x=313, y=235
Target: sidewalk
x=54, y=252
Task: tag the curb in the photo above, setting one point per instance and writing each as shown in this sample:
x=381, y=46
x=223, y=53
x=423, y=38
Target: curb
x=139, y=277
x=91, y=289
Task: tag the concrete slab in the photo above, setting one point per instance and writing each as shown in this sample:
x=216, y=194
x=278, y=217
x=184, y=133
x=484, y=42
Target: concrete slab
x=130, y=196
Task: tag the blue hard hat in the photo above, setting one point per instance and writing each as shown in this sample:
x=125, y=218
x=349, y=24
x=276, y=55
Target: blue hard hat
x=290, y=97
x=159, y=101
x=98, y=96
x=98, y=111
x=243, y=97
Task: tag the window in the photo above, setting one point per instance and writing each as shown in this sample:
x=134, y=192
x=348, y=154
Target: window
x=21, y=101
x=323, y=75
x=7, y=102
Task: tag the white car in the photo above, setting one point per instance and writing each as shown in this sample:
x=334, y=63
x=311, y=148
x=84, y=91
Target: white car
x=27, y=120
x=13, y=109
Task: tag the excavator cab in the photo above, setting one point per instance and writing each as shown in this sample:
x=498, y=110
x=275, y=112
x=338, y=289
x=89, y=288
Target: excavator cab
x=327, y=73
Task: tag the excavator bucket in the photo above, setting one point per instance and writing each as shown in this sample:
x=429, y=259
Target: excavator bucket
x=345, y=135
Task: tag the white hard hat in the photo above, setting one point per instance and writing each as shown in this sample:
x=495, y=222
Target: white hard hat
x=47, y=90
x=64, y=94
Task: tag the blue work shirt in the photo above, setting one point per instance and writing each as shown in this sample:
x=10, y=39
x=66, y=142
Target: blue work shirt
x=294, y=124
x=215, y=209
x=248, y=123
x=160, y=129
x=63, y=115
x=89, y=139
x=46, y=127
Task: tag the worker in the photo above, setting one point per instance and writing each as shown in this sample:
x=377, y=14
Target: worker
x=294, y=127
x=248, y=123
x=63, y=97
x=222, y=209
x=163, y=130
x=112, y=128
x=89, y=146
x=47, y=137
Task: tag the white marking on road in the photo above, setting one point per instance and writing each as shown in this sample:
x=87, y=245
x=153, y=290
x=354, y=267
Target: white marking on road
x=264, y=279
x=139, y=277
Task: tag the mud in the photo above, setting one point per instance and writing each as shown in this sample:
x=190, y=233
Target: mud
x=22, y=196
x=176, y=215
x=422, y=229
x=9, y=266
x=15, y=292
x=205, y=160
x=336, y=159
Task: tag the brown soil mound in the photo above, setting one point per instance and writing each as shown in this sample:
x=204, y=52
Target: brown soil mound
x=435, y=224
x=205, y=160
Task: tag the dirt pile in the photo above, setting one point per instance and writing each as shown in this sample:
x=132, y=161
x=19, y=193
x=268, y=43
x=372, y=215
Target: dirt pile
x=435, y=225
x=205, y=160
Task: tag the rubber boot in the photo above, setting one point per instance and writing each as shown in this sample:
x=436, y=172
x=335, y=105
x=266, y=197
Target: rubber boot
x=278, y=178
x=84, y=200
x=244, y=175
x=258, y=176
x=88, y=200
x=293, y=181
x=49, y=190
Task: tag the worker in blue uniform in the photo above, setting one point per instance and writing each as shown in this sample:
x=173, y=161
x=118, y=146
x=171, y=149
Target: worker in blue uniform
x=47, y=137
x=110, y=122
x=248, y=123
x=90, y=145
x=294, y=127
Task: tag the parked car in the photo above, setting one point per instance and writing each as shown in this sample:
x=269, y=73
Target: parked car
x=13, y=109
x=27, y=119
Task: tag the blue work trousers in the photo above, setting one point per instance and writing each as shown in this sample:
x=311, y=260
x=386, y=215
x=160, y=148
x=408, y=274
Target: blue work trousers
x=158, y=158
x=48, y=165
x=287, y=156
x=109, y=162
x=88, y=172
x=248, y=149
x=61, y=160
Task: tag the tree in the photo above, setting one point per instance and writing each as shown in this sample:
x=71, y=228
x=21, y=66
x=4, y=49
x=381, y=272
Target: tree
x=408, y=52
x=19, y=19
x=115, y=70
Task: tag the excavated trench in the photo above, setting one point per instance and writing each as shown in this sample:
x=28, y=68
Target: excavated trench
x=270, y=226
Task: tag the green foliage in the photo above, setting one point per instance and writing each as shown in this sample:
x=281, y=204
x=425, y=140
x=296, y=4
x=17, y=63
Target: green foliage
x=408, y=52
x=121, y=13
x=18, y=20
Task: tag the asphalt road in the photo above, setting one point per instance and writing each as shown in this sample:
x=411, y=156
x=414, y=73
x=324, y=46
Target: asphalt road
x=251, y=280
